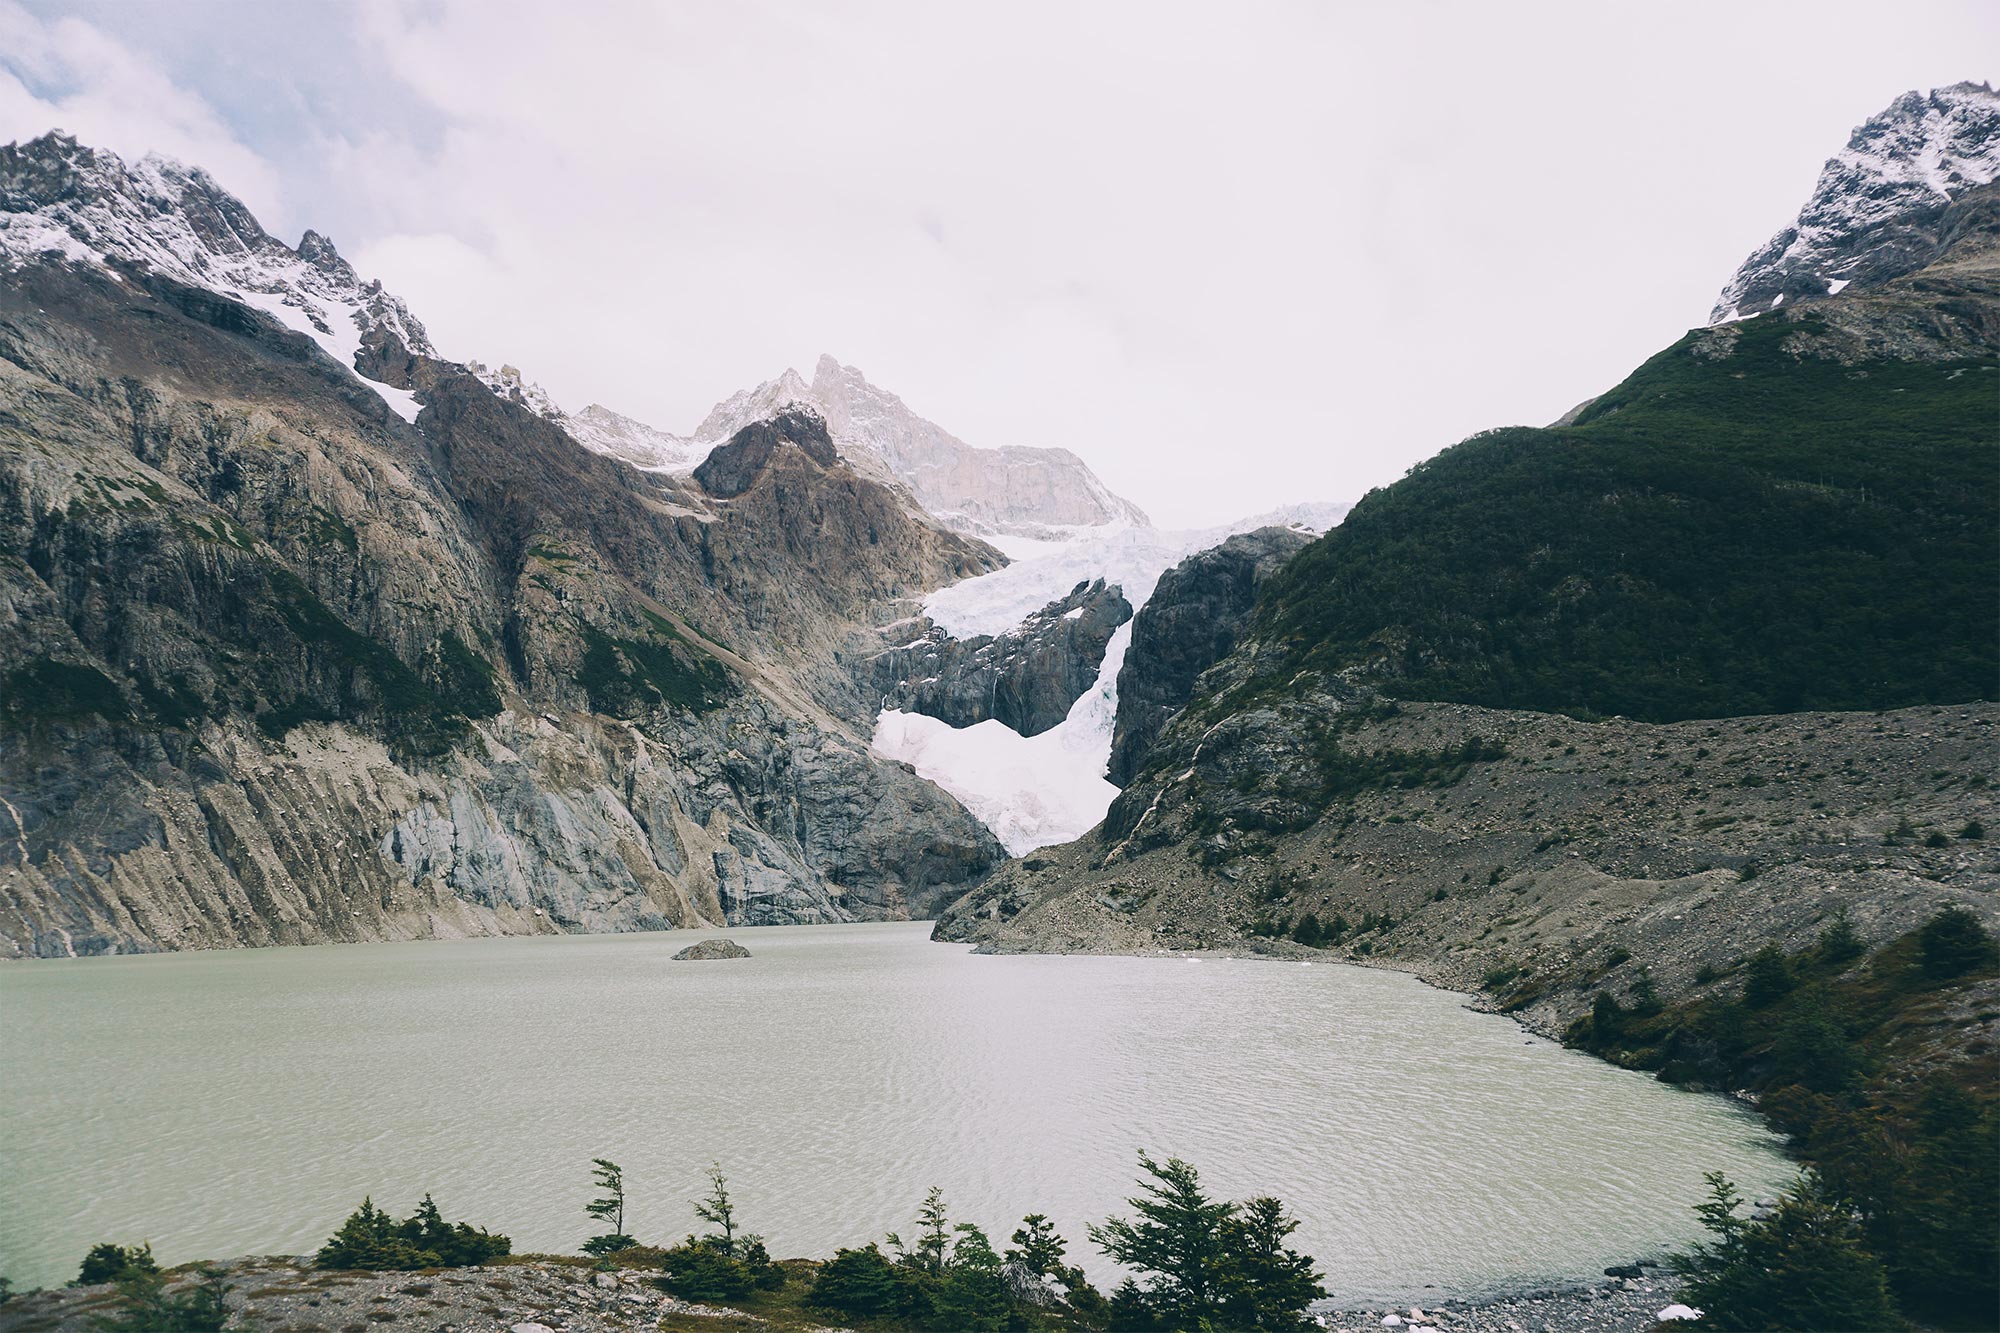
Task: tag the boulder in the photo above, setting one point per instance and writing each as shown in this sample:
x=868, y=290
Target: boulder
x=712, y=949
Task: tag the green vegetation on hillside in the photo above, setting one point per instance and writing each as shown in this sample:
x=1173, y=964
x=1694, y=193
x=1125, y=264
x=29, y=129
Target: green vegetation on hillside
x=1857, y=1060
x=1735, y=529
x=370, y=1239
x=622, y=676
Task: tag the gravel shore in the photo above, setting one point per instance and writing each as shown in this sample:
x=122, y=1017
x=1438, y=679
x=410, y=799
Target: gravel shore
x=1620, y=1304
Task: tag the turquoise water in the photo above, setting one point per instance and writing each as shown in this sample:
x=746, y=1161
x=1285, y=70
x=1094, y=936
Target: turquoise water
x=244, y=1102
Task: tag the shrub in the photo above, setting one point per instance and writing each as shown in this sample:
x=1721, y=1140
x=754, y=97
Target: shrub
x=1953, y=943
x=369, y=1239
x=861, y=1284
x=1973, y=831
x=146, y=1307
x=110, y=1263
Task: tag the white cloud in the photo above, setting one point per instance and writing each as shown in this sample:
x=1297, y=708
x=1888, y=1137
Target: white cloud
x=113, y=97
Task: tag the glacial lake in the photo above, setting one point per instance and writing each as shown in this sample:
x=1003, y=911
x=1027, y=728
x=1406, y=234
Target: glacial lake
x=243, y=1102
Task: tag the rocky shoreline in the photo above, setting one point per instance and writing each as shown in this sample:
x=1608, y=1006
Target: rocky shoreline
x=556, y=1294
x=1616, y=1306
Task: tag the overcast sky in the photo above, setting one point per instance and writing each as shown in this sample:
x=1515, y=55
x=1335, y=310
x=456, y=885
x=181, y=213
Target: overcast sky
x=1234, y=255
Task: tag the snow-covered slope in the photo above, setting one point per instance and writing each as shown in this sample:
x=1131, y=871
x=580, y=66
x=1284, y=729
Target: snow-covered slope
x=650, y=450
x=1037, y=790
x=1872, y=215
x=59, y=199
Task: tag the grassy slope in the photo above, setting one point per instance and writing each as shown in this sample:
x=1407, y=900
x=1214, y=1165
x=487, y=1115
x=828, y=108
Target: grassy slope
x=1752, y=533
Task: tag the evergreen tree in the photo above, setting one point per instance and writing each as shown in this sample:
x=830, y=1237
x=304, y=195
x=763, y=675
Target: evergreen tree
x=1037, y=1247
x=973, y=1296
x=1953, y=943
x=861, y=1283
x=370, y=1239
x=608, y=1207
x=1270, y=1283
x=109, y=1263
x=1178, y=1242
x=1802, y=1271
x=1838, y=943
x=717, y=1211
x=933, y=1236
x=1767, y=978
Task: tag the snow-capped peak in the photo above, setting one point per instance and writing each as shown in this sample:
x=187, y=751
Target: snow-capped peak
x=745, y=406
x=62, y=200
x=1872, y=215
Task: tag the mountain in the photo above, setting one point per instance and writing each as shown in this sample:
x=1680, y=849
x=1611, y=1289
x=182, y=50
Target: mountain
x=1011, y=492
x=1602, y=706
x=309, y=634
x=1876, y=211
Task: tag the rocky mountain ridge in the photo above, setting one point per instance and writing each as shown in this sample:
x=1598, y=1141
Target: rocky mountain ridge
x=283, y=665
x=1874, y=214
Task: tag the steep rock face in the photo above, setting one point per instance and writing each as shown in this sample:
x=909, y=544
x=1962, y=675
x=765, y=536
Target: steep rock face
x=1876, y=212
x=1026, y=678
x=279, y=665
x=1191, y=622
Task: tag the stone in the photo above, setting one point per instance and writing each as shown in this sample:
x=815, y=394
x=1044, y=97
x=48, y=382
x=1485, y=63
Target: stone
x=708, y=949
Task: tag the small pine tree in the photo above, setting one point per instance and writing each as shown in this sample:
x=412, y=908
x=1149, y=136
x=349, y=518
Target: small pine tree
x=933, y=1236
x=608, y=1207
x=1037, y=1247
x=1953, y=943
x=1767, y=977
x=973, y=1295
x=1838, y=943
x=371, y=1240
x=717, y=1211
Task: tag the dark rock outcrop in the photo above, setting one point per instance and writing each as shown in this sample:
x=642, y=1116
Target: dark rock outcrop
x=1026, y=678
x=730, y=469
x=1190, y=623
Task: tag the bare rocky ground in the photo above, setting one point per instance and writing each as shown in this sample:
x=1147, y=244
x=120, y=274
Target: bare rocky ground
x=536, y=1294
x=1591, y=853
x=545, y=1294
x=1620, y=1306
